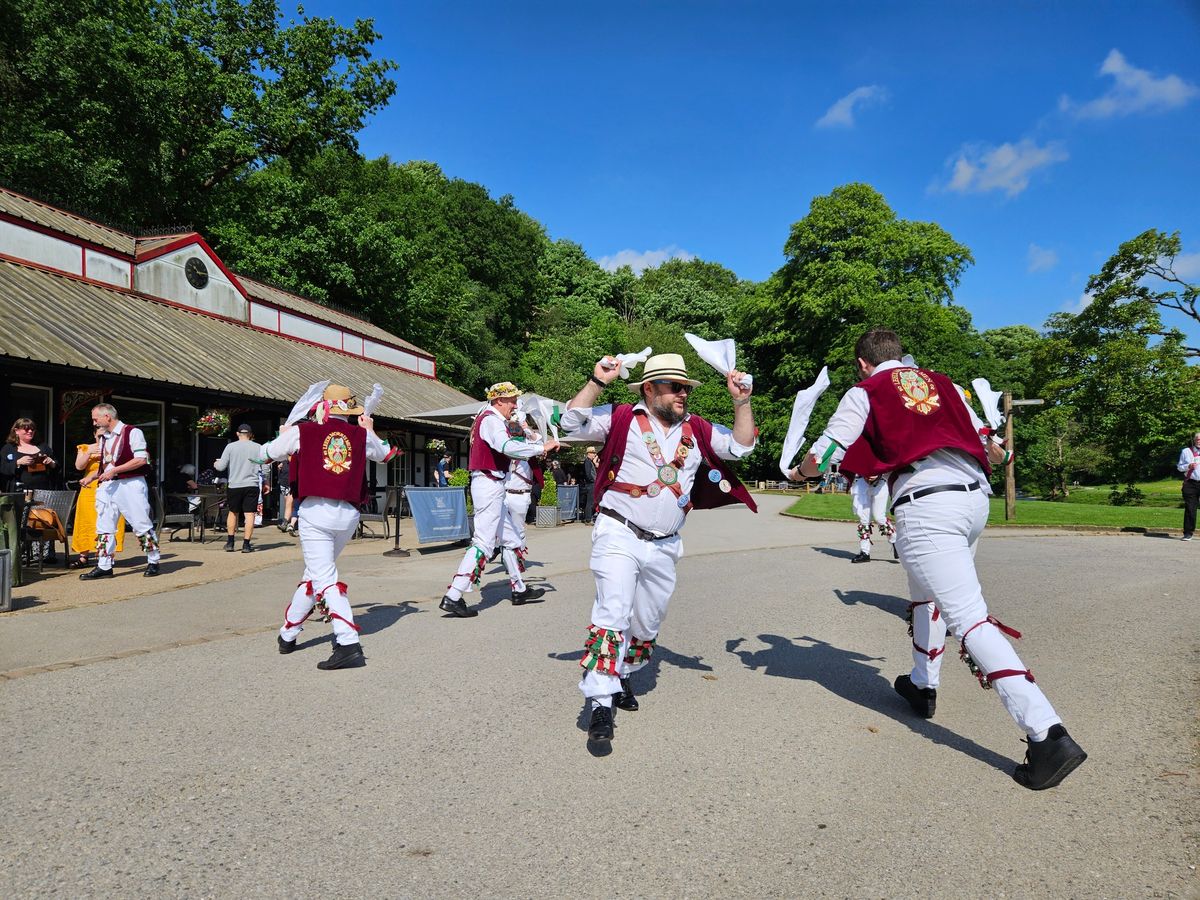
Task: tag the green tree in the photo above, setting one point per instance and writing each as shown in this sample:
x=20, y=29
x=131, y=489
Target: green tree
x=701, y=297
x=138, y=110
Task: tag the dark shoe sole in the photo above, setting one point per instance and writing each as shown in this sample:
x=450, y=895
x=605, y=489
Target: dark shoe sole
x=921, y=705
x=151, y=573
x=349, y=662
x=459, y=612
x=626, y=702
x=88, y=576
x=1068, y=766
x=285, y=647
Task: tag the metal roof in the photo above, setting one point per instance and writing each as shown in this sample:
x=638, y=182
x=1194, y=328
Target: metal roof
x=56, y=319
x=278, y=297
x=65, y=222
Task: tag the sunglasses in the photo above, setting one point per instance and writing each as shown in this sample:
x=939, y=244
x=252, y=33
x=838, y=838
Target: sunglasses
x=676, y=387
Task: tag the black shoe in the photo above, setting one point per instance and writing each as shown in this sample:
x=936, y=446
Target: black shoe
x=457, y=608
x=600, y=729
x=285, y=646
x=246, y=548
x=96, y=573
x=521, y=597
x=626, y=699
x=1050, y=761
x=229, y=545
x=922, y=700
x=496, y=554
x=895, y=552
x=862, y=557
x=151, y=570
x=345, y=656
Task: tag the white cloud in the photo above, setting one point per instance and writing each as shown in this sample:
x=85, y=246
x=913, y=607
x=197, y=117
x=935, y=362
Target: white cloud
x=1133, y=90
x=841, y=114
x=980, y=168
x=1041, y=259
x=640, y=260
x=1079, y=304
x=1187, y=266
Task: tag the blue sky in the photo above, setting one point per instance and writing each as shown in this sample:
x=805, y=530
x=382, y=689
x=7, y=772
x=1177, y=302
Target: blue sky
x=1039, y=137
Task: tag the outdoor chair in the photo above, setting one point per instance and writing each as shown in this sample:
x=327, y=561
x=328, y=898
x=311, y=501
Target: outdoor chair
x=176, y=515
x=62, y=504
x=367, y=519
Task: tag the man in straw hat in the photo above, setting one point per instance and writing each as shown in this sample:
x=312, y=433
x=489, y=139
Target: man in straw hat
x=658, y=462
x=493, y=447
x=917, y=425
x=330, y=473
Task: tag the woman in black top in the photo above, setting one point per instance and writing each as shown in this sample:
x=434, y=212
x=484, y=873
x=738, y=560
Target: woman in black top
x=26, y=464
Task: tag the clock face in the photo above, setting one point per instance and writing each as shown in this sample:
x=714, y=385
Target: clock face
x=196, y=272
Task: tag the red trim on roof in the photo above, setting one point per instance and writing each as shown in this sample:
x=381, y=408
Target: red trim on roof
x=27, y=264
x=186, y=241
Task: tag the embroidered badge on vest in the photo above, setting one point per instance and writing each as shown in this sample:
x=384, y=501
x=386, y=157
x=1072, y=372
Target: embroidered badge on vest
x=919, y=394
x=336, y=451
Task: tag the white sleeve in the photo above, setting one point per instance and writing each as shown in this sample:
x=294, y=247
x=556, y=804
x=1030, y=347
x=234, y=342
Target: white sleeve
x=495, y=434
x=137, y=443
x=725, y=446
x=282, y=447
x=978, y=424
x=845, y=427
x=376, y=452
x=588, y=423
x=1185, y=459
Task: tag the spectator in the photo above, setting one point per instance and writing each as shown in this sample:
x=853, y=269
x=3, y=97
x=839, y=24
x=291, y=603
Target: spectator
x=283, y=478
x=1189, y=465
x=244, y=461
x=441, y=471
x=26, y=465
x=557, y=472
x=587, y=486
x=83, y=535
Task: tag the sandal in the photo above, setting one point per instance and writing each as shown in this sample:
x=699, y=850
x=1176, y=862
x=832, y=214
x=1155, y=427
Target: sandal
x=80, y=562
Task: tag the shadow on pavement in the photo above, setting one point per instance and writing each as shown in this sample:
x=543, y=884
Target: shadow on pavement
x=835, y=553
x=845, y=673
x=886, y=602
x=375, y=617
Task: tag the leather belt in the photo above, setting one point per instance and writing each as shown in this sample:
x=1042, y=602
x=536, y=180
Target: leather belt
x=642, y=533
x=511, y=491
x=936, y=489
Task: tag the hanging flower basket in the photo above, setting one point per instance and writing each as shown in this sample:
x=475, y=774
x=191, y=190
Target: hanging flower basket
x=436, y=445
x=212, y=423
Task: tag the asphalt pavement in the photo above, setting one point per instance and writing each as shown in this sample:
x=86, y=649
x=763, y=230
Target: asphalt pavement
x=158, y=745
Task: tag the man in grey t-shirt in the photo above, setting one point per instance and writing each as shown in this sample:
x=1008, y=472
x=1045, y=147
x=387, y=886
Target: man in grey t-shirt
x=243, y=459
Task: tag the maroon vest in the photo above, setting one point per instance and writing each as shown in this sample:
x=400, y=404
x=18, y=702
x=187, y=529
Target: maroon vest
x=482, y=457
x=123, y=453
x=331, y=462
x=705, y=494
x=913, y=413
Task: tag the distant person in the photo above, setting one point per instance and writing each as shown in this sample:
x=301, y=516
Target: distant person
x=869, y=499
x=29, y=465
x=441, y=472
x=83, y=534
x=244, y=461
x=1189, y=465
x=287, y=513
x=121, y=491
x=587, y=486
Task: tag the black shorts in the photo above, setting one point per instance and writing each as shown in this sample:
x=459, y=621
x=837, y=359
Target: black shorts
x=242, y=500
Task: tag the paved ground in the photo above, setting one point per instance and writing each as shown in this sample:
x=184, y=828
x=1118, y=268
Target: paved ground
x=175, y=753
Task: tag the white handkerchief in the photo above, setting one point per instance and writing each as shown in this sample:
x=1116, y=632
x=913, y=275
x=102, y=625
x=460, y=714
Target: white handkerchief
x=990, y=401
x=542, y=410
x=630, y=361
x=802, y=409
x=721, y=355
x=372, y=400
x=908, y=360
x=305, y=404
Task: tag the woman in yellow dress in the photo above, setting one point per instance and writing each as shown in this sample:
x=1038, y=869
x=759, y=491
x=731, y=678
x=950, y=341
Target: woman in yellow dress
x=83, y=536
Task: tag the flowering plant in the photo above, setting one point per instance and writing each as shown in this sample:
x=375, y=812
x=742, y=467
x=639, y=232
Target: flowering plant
x=436, y=445
x=213, y=422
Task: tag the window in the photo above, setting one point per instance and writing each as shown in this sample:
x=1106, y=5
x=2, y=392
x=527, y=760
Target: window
x=27, y=401
x=146, y=415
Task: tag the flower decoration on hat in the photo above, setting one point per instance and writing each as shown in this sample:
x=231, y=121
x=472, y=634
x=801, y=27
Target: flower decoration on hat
x=337, y=401
x=502, y=390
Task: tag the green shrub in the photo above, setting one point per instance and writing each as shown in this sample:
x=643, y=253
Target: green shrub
x=549, y=493
x=460, y=478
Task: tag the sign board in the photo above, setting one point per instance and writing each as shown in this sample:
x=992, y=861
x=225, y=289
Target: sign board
x=440, y=514
x=568, y=502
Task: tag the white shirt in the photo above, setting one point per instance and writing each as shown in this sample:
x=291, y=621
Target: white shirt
x=662, y=514
x=940, y=467
x=493, y=431
x=289, y=442
x=137, y=443
x=1186, y=457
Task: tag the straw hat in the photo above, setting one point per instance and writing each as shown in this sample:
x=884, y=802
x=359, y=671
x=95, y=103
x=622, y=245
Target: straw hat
x=338, y=401
x=665, y=367
x=503, y=389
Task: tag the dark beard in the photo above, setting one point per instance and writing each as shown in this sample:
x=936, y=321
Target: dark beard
x=665, y=412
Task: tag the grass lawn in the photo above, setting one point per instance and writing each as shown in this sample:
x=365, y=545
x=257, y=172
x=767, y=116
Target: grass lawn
x=1157, y=493
x=1029, y=512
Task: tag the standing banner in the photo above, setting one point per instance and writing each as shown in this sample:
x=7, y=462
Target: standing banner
x=440, y=514
x=568, y=502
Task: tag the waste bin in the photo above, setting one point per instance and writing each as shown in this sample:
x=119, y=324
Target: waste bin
x=11, y=506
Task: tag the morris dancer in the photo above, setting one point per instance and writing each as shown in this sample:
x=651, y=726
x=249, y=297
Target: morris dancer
x=869, y=496
x=121, y=491
x=658, y=463
x=917, y=425
x=492, y=449
x=518, y=490
x=329, y=472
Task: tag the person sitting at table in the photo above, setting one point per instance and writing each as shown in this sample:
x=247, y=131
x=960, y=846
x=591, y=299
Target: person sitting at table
x=83, y=536
x=27, y=465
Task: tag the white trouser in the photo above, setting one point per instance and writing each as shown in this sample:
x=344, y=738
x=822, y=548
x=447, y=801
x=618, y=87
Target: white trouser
x=326, y=526
x=493, y=528
x=126, y=497
x=937, y=538
x=518, y=507
x=870, y=504
x=634, y=583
